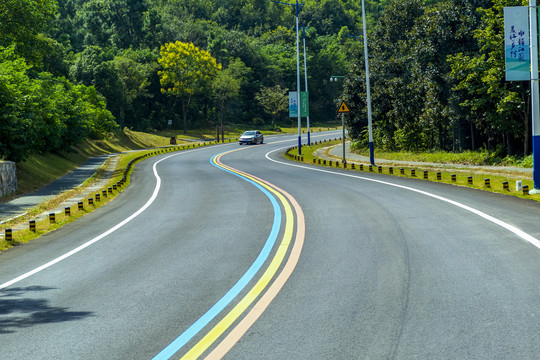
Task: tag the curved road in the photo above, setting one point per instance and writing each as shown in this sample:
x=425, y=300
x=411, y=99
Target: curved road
x=233, y=252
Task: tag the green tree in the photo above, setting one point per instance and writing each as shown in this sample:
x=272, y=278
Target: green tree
x=186, y=71
x=496, y=109
x=274, y=100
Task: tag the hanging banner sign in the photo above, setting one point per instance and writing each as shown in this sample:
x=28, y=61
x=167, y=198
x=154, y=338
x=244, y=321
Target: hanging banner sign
x=516, y=43
x=304, y=104
x=293, y=104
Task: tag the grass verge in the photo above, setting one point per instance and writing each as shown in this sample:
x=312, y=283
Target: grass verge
x=118, y=180
x=461, y=177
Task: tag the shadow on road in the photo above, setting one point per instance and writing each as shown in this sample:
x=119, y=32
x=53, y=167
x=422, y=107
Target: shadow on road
x=19, y=311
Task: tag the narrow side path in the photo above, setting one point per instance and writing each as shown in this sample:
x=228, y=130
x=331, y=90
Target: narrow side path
x=19, y=206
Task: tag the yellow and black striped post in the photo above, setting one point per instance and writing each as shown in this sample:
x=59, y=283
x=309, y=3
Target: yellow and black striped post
x=90, y=201
x=67, y=211
x=32, y=225
x=98, y=197
x=114, y=186
x=110, y=190
x=402, y=171
x=439, y=175
x=104, y=193
x=505, y=185
x=453, y=177
x=81, y=205
x=469, y=180
x=52, y=218
x=525, y=189
x=426, y=175
x=370, y=168
x=487, y=182
x=9, y=235
x=413, y=172
x=330, y=163
x=380, y=169
x=361, y=167
x=353, y=166
x=391, y=170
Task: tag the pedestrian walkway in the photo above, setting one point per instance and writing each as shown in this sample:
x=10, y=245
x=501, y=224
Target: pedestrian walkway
x=335, y=152
x=21, y=205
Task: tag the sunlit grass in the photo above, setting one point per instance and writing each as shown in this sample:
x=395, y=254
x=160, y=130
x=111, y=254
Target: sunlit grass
x=496, y=180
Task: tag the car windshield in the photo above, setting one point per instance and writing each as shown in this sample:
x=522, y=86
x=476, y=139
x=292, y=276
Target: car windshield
x=249, y=133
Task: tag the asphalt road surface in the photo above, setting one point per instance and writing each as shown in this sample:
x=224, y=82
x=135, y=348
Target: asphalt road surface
x=231, y=251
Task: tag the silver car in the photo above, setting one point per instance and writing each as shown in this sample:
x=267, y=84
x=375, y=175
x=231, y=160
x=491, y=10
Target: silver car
x=251, y=137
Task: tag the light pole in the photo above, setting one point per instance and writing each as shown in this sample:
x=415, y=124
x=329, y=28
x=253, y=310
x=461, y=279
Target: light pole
x=306, y=81
x=535, y=106
x=299, y=116
x=368, y=90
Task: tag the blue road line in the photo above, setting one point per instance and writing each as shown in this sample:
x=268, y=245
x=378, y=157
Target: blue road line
x=205, y=319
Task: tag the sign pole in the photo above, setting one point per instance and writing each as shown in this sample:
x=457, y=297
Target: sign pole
x=343, y=126
x=535, y=105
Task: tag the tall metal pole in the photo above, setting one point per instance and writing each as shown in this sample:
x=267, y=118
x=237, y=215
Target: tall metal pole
x=368, y=90
x=535, y=105
x=298, y=83
x=306, y=81
x=343, y=127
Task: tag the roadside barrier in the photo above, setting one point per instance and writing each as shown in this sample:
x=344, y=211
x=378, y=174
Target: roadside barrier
x=67, y=211
x=487, y=183
x=453, y=176
x=525, y=189
x=505, y=185
x=52, y=218
x=98, y=197
x=426, y=175
x=470, y=180
x=32, y=225
x=9, y=235
x=80, y=205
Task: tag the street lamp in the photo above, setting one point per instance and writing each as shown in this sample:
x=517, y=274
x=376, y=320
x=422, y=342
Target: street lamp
x=297, y=5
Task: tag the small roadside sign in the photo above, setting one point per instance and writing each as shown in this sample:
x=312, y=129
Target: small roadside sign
x=343, y=108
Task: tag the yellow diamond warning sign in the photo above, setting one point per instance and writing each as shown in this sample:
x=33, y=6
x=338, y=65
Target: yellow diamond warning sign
x=343, y=108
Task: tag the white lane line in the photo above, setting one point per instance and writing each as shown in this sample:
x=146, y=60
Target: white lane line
x=520, y=233
x=99, y=237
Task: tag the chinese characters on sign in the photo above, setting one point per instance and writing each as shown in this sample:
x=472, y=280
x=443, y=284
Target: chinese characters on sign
x=516, y=43
x=293, y=104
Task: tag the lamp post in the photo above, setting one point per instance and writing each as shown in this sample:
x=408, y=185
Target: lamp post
x=306, y=82
x=535, y=95
x=297, y=6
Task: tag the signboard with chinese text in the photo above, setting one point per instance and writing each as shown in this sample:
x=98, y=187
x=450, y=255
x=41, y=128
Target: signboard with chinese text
x=293, y=104
x=516, y=43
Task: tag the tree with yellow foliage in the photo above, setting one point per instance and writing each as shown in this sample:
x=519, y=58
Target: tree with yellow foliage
x=186, y=70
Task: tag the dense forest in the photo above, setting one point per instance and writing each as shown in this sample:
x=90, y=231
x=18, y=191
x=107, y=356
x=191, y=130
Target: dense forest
x=72, y=69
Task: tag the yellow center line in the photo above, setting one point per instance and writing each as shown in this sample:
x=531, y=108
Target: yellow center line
x=259, y=287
